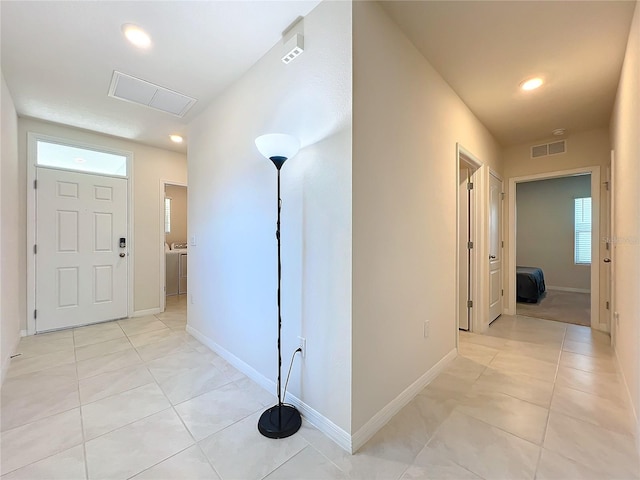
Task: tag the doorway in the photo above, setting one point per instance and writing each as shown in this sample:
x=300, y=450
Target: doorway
x=554, y=240
x=78, y=220
x=174, y=257
x=466, y=238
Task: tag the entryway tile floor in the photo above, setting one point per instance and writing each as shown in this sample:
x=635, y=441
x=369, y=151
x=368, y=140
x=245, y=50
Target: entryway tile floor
x=140, y=398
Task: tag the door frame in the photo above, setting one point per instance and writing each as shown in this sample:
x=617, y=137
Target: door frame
x=478, y=231
x=613, y=326
x=32, y=139
x=163, y=262
x=595, y=238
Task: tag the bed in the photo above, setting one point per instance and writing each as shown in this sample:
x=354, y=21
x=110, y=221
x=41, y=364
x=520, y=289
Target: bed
x=530, y=284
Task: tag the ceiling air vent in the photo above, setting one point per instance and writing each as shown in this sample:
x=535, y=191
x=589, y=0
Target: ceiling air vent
x=553, y=148
x=134, y=90
x=557, y=147
x=539, y=151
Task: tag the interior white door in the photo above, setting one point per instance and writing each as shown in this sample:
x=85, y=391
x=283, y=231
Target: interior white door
x=81, y=268
x=495, y=247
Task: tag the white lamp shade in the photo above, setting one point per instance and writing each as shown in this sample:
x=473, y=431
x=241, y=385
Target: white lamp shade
x=277, y=145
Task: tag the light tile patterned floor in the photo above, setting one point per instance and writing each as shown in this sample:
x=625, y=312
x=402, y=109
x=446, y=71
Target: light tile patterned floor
x=142, y=399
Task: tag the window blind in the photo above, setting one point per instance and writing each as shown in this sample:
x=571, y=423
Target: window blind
x=582, y=228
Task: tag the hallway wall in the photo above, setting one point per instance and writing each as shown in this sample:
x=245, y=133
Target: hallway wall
x=625, y=136
x=12, y=272
x=232, y=213
x=407, y=121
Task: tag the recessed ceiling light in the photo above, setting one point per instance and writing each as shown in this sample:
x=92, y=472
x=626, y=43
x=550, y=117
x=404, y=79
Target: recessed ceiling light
x=176, y=138
x=136, y=35
x=531, y=84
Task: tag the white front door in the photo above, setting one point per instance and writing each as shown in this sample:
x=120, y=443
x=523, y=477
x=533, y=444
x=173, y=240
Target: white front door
x=81, y=268
x=495, y=247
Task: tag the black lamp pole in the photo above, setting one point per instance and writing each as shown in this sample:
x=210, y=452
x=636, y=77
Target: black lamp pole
x=281, y=420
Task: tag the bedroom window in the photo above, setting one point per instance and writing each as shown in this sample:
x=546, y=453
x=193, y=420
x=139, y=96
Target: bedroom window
x=582, y=228
x=167, y=215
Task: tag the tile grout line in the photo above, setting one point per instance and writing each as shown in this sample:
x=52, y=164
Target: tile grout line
x=84, y=443
x=553, y=390
x=172, y=407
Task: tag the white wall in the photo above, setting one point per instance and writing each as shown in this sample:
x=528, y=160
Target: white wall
x=232, y=213
x=150, y=166
x=545, y=229
x=12, y=278
x=407, y=121
x=178, y=195
x=625, y=136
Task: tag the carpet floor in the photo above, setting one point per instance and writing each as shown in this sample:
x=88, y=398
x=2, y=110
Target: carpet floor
x=568, y=307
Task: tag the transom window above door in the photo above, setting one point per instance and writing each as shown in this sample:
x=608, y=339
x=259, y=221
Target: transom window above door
x=67, y=157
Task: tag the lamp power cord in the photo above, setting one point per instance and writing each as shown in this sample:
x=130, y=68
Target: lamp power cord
x=284, y=395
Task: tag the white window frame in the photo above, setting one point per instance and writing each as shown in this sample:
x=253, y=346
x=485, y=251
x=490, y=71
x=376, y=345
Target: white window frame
x=167, y=215
x=582, y=229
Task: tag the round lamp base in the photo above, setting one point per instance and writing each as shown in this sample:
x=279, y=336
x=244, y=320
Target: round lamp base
x=279, y=421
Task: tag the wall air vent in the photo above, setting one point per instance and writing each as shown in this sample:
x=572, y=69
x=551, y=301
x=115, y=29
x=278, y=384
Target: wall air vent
x=135, y=90
x=553, y=148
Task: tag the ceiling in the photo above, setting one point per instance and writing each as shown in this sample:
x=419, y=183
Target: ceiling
x=485, y=49
x=58, y=58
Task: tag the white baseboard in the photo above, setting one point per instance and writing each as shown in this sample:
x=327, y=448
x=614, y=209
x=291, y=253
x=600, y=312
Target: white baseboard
x=23, y=333
x=144, y=313
x=381, y=418
x=326, y=426
x=569, y=289
x=6, y=361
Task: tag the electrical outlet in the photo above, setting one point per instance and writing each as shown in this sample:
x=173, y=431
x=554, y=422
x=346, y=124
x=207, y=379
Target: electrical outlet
x=302, y=343
x=426, y=329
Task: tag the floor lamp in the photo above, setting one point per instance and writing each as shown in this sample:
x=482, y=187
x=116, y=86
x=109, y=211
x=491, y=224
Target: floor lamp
x=281, y=420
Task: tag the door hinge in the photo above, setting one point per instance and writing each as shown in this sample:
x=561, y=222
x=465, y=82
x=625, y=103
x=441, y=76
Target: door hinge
x=469, y=186
x=606, y=185
x=35, y=184
x=35, y=249
x=502, y=293
x=502, y=195
x=469, y=245
x=35, y=314
x=469, y=303
x=607, y=305
x=502, y=244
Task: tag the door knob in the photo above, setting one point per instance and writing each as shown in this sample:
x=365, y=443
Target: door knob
x=607, y=260
x=492, y=257
x=122, y=255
